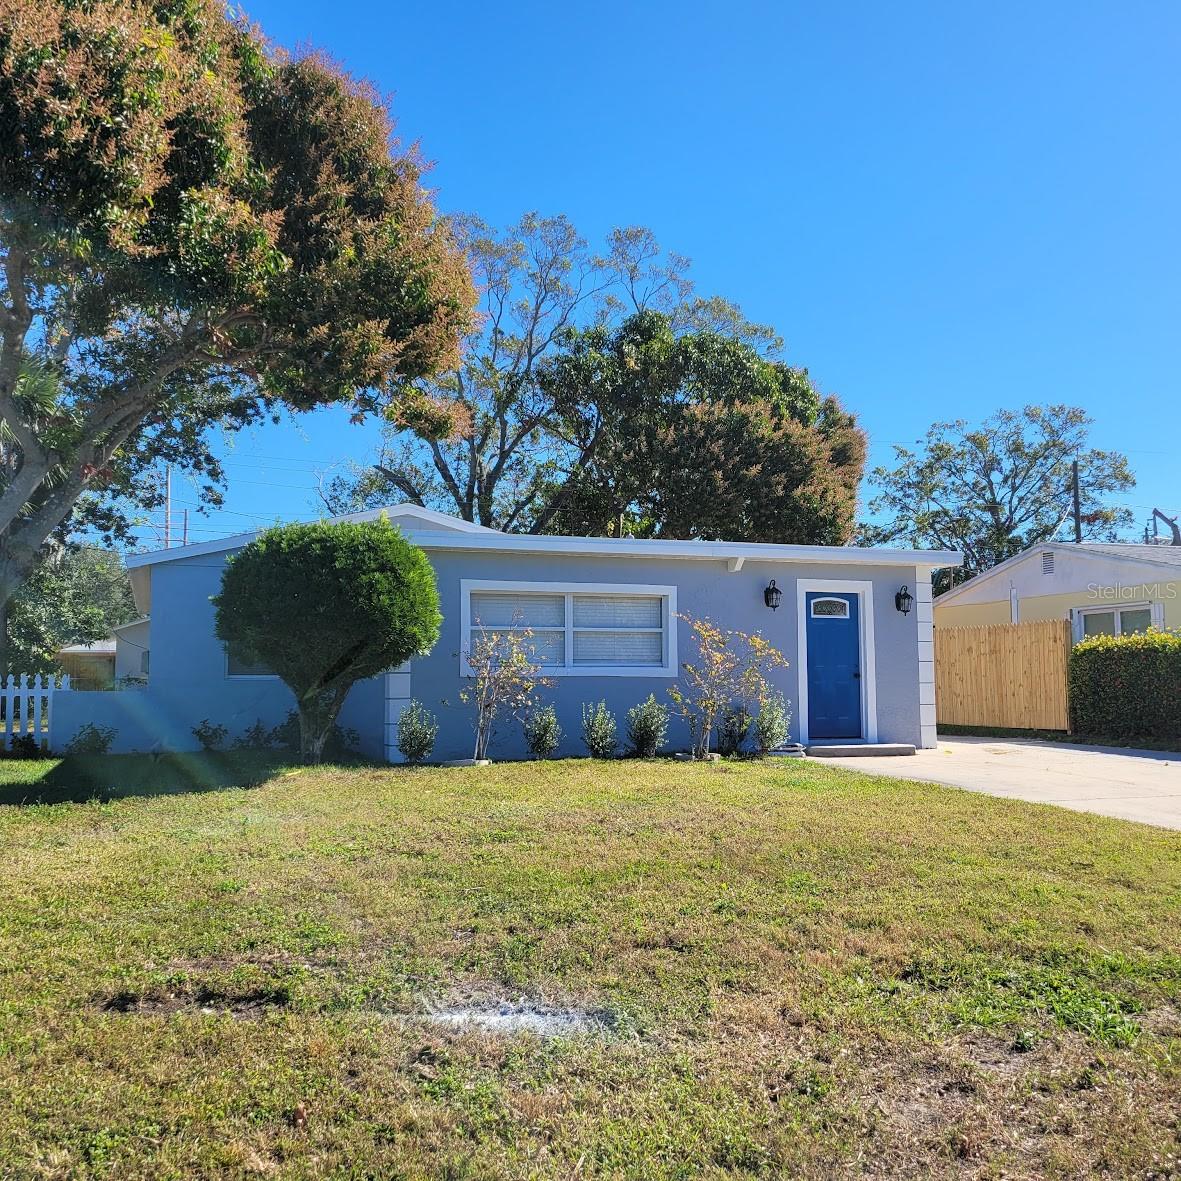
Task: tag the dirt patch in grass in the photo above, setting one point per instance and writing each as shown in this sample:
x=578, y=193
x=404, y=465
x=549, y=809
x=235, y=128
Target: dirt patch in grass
x=247, y=1005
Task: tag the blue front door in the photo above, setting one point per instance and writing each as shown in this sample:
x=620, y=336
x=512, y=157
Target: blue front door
x=834, y=665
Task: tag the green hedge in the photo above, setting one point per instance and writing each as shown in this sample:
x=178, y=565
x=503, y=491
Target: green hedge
x=1127, y=686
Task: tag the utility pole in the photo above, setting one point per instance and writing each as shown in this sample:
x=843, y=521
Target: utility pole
x=185, y=534
x=1078, y=512
x=167, y=505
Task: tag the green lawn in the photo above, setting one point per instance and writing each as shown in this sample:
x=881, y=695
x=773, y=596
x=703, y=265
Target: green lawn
x=220, y=967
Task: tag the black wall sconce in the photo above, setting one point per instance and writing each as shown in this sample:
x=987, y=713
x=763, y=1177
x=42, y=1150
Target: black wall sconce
x=903, y=600
x=772, y=596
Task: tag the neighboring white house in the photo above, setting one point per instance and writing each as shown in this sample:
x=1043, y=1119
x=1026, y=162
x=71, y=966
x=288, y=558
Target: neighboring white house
x=123, y=656
x=1105, y=588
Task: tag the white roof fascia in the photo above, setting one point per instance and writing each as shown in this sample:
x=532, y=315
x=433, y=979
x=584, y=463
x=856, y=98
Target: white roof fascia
x=493, y=542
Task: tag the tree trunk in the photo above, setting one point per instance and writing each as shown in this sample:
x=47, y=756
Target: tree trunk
x=317, y=716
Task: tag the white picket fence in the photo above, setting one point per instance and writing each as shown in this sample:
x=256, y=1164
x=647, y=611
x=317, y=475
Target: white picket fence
x=26, y=704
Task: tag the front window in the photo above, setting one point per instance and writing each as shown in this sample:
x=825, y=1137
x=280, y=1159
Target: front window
x=575, y=629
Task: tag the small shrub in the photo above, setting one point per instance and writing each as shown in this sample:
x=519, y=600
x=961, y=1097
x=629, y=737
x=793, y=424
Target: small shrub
x=24, y=746
x=647, y=728
x=733, y=729
x=772, y=726
x=503, y=680
x=341, y=743
x=1127, y=686
x=599, y=731
x=259, y=736
x=210, y=735
x=730, y=666
x=417, y=731
x=91, y=740
x=543, y=734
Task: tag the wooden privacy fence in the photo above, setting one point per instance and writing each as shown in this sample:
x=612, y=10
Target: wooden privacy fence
x=1008, y=674
x=25, y=705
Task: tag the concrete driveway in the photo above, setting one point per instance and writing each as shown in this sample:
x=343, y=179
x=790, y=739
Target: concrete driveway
x=1140, y=785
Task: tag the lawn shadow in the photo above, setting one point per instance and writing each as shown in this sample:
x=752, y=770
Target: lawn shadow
x=79, y=779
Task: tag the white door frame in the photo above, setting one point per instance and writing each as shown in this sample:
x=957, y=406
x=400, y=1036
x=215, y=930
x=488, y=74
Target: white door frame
x=869, y=679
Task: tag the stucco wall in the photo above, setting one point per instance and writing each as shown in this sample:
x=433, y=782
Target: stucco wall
x=704, y=588
x=188, y=679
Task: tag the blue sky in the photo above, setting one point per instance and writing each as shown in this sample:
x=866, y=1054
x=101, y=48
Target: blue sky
x=943, y=208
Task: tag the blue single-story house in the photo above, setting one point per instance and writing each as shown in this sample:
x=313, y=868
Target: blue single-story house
x=609, y=620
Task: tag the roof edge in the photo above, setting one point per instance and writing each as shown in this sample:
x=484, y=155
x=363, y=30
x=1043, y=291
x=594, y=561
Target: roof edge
x=492, y=541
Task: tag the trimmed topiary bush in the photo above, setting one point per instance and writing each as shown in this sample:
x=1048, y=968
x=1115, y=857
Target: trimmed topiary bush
x=325, y=605
x=647, y=728
x=543, y=734
x=1127, y=686
x=599, y=731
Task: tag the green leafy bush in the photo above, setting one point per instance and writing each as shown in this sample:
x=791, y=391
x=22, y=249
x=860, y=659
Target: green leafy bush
x=1127, y=686
x=258, y=736
x=543, y=734
x=599, y=731
x=733, y=729
x=772, y=725
x=210, y=735
x=91, y=740
x=24, y=746
x=417, y=731
x=647, y=728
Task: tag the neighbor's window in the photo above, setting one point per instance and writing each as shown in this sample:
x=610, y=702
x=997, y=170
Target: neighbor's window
x=578, y=631
x=1122, y=621
x=239, y=665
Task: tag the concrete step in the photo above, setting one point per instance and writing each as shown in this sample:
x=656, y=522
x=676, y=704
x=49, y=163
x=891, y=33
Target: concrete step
x=856, y=750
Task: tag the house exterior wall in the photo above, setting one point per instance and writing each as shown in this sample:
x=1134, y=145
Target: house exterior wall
x=188, y=680
x=131, y=642
x=1078, y=581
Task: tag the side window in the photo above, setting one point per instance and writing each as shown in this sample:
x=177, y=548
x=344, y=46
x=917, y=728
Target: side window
x=242, y=664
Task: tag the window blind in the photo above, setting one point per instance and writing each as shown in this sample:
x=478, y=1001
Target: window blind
x=604, y=629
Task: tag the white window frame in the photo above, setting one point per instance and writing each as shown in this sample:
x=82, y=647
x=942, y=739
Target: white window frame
x=1116, y=610
x=869, y=674
x=229, y=676
x=667, y=669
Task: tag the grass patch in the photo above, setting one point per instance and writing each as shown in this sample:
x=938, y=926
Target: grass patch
x=218, y=966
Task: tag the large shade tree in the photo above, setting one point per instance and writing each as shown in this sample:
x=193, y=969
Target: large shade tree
x=696, y=434
x=572, y=364
x=995, y=489
x=194, y=229
x=325, y=605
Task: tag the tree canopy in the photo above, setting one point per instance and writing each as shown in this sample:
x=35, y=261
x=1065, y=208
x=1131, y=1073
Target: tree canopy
x=697, y=435
x=74, y=597
x=996, y=489
x=194, y=229
x=585, y=361
x=325, y=605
